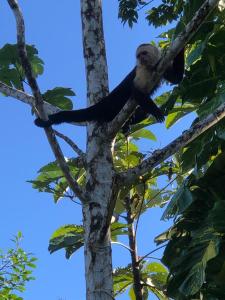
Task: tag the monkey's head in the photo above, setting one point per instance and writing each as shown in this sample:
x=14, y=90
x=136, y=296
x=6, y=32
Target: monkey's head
x=147, y=55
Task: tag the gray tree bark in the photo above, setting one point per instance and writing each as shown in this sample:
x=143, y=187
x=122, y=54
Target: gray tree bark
x=98, y=261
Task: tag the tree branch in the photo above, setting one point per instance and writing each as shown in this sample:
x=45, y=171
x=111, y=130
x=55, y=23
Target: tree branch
x=160, y=155
x=183, y=38
x=26, y=98
x=75, y=148
x=115, y=125
x=177, y=45
x=39, y=100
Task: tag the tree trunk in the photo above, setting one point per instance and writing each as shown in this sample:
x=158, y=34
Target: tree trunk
x=98, y=258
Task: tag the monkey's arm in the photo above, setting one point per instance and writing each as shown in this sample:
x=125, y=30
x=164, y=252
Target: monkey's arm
x=141, y=114
x=174, y=74
x=147, y=105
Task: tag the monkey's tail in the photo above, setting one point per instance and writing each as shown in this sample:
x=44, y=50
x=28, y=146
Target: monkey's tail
x=92, y=113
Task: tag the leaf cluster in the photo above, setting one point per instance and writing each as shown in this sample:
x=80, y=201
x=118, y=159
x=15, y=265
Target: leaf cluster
x=128, y=10
x=153, y=279
x=15, y=270
x=52, y=180
x=71, y=237
x=11, y=71
x=197, y=237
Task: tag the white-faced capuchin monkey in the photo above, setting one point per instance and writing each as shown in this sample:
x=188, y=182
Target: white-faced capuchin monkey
x=135, y=84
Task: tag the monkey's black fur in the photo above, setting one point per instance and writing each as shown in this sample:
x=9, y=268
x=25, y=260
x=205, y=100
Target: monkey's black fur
x=107, y=108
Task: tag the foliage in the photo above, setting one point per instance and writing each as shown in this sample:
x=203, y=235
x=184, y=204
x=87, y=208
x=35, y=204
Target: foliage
x=11, y=71
x=128, y=10
x=194, y=254
x=51, y=179
x=197, y=237
x=168, y=11
x=154, y=277
x=57, y=97
x=15, y=270
x=195, y=247
x=71, y=237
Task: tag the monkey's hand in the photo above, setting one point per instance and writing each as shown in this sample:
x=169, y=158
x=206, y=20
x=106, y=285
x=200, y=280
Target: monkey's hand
x=41, y=123
x=149, y=107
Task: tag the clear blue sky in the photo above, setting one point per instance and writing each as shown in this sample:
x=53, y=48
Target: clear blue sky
x=54, y=27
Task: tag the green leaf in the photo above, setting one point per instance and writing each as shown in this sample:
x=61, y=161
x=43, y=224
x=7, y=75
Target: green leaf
x=179, y=202
x=9, y=57
x=196, y=53
x=144, y=133
x=57, y=97
x=70, y=237
x=118, y=229
x=52, y=180
x=178, y=113
x=122, y=279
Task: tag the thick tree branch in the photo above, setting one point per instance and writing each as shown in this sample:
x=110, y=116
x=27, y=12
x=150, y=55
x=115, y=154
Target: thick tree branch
x=39, y=100
x=177, y=45
x=116, y=124
x=183, y=38
x=160, y=155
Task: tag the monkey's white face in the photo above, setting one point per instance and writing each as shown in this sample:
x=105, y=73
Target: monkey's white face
x=147, y=55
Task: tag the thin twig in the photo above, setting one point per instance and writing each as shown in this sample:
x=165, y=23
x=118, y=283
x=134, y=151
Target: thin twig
x=69, y=142
x=144, y=5
x=153, y=257
x=158, y=193
x=121, y=244
x=143, y=257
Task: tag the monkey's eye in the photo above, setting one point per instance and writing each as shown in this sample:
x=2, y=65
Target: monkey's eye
x=142, y=53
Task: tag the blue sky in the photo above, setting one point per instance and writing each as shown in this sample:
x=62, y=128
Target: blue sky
x=54, y=27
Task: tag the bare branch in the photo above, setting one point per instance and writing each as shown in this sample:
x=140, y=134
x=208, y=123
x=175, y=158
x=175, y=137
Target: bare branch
x=143, y=257
x=121, y=244
x=29, y=99
x=160, y=155
x=21, y=44
x=75, y=148
x=26, y=98
x=39, y=100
